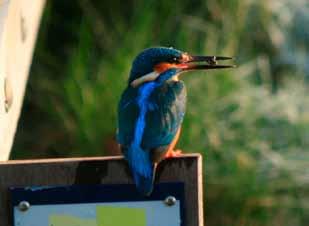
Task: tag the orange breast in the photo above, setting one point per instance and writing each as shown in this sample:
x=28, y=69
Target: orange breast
x=174, y=142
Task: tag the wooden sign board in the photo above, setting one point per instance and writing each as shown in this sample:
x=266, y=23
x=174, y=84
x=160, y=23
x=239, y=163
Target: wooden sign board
x=19, y=22
x=97, y=173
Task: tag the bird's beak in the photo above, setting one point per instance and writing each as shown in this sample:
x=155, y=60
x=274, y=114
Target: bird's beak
x=203, y=63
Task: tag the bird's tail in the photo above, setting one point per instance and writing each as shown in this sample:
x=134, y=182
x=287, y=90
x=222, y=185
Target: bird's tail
x=142, y=169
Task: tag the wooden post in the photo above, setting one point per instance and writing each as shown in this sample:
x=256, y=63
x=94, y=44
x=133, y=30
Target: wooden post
x=19, y=21
x=101, y=170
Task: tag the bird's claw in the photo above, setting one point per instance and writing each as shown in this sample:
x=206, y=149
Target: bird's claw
x=173, y=153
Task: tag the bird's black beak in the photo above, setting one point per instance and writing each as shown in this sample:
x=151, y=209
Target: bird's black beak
x=204, y=63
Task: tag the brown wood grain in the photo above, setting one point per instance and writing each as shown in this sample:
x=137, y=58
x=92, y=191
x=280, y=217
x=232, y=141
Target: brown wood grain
x=101, y=170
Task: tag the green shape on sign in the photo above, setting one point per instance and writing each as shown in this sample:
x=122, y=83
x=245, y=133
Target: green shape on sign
x=120, y=216
x=67, y=220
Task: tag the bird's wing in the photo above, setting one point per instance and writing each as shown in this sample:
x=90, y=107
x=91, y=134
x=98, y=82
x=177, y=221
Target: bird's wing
x=167, y=108
x=165, y=118
x=127, y=115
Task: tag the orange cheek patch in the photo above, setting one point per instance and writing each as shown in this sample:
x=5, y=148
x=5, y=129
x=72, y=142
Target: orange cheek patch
x=161, y=67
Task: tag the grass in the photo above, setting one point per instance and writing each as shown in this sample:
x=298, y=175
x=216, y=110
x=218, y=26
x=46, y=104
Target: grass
x=250, y=123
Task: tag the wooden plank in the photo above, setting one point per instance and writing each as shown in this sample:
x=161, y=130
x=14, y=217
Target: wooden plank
x=19, y=22
x=101, y=170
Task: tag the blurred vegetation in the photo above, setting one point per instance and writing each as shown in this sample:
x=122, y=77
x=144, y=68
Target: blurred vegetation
x=251, y=124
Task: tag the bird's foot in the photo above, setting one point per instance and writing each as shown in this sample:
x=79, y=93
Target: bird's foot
x=173, y=153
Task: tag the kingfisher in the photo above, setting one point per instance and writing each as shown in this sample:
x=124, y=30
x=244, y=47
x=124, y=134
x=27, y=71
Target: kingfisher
x=152, y=108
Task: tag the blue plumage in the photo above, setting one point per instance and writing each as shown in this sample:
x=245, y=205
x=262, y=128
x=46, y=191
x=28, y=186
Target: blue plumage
x=147, y=122
x=148, y=58
x=152, y=108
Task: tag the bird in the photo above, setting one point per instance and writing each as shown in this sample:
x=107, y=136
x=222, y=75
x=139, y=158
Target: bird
x=152, y=107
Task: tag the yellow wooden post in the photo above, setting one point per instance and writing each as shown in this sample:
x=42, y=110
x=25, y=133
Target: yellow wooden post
x=19, y=22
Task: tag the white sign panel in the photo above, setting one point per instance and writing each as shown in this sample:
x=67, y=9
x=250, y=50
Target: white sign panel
x=97, y=205
x=149, y=213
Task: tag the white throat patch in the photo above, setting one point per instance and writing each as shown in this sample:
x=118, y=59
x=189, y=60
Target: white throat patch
x=145, y=78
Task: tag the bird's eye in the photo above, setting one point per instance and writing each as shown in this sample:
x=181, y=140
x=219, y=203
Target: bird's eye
x=174, y=60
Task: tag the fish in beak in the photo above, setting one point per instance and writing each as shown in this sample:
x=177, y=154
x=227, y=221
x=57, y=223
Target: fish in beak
x=203, y=63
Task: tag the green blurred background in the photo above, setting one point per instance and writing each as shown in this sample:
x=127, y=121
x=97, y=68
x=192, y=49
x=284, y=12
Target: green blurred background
x=251, y=124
